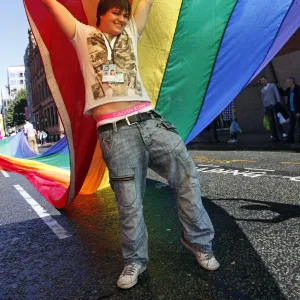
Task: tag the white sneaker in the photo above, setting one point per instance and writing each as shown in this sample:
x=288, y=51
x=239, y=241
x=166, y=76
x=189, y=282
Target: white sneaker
x=232, y=141
x=284, y=135
x=206, y=261
x=129, y=276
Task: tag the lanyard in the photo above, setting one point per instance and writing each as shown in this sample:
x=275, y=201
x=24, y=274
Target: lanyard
x=110, y=47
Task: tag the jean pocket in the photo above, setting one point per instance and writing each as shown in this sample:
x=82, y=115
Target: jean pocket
x=123, y=184
x=106, y=142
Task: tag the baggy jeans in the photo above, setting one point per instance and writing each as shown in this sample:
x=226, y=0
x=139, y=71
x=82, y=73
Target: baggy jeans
x=128, y=151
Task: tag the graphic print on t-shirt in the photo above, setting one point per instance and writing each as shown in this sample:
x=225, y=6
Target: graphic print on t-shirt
x=125, y=61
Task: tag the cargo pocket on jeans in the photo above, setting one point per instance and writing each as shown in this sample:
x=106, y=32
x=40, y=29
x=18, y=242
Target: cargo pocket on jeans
x=106, y=139
x=123, y=184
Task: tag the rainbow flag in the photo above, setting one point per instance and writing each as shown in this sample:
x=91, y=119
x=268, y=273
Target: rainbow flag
x=195, y=57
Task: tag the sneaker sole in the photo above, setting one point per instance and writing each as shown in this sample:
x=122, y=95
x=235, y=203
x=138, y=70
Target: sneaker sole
x=187, y=246
x=128, y=286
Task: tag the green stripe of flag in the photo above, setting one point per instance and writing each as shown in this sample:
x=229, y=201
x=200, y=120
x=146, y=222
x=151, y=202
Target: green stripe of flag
x=198, y=35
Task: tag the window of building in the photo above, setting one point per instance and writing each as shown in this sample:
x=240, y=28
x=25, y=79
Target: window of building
x=41, y=93
x=48, y=117
x=37, y=121
x=12, y=81
x=44, y=90
x=45, y=118
x=56, y=116
x=21, y=74
x=52, y=116
x=12, y=75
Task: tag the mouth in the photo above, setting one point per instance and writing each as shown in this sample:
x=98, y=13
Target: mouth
x=119, y=25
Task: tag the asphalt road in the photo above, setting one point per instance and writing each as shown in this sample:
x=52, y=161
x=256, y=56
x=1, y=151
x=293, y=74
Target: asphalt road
x=253, y=201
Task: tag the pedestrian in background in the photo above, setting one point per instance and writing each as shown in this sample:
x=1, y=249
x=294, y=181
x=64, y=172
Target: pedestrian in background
x=39, y=137
x=270, y=96
x=44, y=137
x=229, y=115
x=30, y=132
x=293, y=94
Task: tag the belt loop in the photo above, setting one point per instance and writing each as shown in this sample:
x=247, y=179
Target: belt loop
x=150, y=113
x=115, y=127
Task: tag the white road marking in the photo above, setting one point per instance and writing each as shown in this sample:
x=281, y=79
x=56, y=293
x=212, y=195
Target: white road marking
x=214, y=166
x=5, y=174
x=60, y=232
x=250, y=173
x=265, y=170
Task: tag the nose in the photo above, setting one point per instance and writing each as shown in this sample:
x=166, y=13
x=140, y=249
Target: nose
x=122, y=19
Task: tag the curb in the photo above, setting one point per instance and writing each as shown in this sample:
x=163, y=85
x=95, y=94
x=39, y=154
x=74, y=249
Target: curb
x=221, y=146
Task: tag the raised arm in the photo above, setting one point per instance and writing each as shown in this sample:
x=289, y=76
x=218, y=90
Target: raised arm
x=282, y=91
x=62, y=17
x=141, y=14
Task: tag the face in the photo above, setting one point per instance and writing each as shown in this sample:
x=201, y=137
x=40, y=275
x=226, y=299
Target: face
x=290, y=83
x=264, y=81
x=114, y=21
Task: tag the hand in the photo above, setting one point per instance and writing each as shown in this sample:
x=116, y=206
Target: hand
x=298, y=115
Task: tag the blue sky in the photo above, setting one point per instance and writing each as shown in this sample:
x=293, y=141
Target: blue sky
x=13, y=34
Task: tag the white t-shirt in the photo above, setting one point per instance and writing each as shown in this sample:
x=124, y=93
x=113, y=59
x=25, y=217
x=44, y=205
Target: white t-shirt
x=92, y=53
x=29, y=130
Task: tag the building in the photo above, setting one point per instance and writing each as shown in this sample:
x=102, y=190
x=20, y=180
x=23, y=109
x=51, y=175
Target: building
x=4, y=99
x=28, y=112
x=15, y=80
x=42, y=106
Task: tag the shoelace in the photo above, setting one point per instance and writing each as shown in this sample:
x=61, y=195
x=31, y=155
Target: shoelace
x=130, y=270
x=207, y=256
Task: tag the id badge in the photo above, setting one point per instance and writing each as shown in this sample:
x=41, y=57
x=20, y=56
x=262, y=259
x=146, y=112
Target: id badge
x=109, y=73
x=119, y=77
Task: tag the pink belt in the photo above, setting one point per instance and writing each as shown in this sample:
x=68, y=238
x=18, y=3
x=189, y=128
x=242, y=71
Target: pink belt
x=123, y=113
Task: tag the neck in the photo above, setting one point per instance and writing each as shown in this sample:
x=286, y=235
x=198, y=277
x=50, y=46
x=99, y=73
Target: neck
x=108, y=36
x=104, y=31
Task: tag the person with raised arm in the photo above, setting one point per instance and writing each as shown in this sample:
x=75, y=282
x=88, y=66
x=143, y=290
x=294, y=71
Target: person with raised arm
x=132, y=134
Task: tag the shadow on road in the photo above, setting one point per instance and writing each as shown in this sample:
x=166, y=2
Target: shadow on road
x=283, y=211
x=35, y=264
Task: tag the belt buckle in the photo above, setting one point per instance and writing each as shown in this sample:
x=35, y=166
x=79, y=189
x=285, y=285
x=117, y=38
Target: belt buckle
x=128, y=122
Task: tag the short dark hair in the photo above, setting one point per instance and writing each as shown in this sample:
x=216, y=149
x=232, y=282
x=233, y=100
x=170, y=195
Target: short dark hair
x=292, y=79
x=105, y=5
x=263, y=77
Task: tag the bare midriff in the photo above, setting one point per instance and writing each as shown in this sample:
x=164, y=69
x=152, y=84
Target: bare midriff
x=114, y=107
